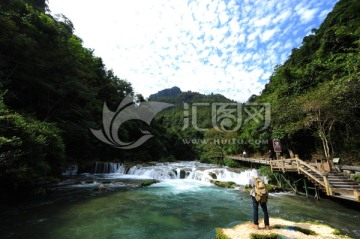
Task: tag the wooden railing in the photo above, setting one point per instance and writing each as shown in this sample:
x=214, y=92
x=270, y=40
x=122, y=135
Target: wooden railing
x=296, y=164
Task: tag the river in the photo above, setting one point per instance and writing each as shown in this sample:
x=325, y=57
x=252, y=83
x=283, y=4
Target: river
x=176, y=207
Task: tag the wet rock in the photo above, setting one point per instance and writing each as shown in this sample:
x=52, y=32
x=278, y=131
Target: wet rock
x=148, y=182
x=213, y=175
x=183, y=174
x=224, y=184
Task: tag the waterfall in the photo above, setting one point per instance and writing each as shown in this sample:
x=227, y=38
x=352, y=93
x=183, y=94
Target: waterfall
x=71, y=171
x=106, y=167
x=153, y=172
x=223, y=174
x=178, y=170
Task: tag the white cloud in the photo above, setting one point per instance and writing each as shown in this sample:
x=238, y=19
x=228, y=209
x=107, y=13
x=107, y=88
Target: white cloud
x=305, y=12
x=269, y=34
x=227, y=47
x=265, y=21
x=282, y=17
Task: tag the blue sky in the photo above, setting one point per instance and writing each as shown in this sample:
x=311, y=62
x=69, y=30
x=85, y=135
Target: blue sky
x=228, y=47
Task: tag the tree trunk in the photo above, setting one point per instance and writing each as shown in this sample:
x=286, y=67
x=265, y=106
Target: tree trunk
x=325, y=144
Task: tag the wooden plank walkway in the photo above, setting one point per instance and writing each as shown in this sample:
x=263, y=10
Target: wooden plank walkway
x=249, y=160
x=333, y=184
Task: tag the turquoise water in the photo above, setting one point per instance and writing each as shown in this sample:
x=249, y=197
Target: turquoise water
x=176, y=209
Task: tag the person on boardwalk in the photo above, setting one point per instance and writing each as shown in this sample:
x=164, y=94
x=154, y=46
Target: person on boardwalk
x=259, y=195
x=270, y=155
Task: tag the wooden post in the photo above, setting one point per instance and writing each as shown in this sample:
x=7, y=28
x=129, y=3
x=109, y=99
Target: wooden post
x=356, y=195
x=297, y=163
x=278, y=179
x=288, y=182
x=306, y=189
x=327, y=186
x=283, y=164
x=317, y=196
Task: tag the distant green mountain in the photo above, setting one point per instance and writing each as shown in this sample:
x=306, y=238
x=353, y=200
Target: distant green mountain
x=174, y=95
x=187, y=122
x=171, y=92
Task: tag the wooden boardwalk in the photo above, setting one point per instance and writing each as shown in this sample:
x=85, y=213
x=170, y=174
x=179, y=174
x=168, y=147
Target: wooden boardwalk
x=250, y=160
x=333, y=184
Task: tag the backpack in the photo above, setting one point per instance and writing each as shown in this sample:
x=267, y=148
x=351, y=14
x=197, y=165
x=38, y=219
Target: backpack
x=261, y=193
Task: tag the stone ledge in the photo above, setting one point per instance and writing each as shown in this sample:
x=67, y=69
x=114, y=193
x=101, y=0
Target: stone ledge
x=280, y=228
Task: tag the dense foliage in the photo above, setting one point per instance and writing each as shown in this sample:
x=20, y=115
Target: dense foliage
x=32, y=152
x=52, y=92
x=314, y=94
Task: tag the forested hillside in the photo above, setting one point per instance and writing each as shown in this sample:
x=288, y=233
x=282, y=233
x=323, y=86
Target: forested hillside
x=314, y=97
x=52, y=91
x=315, y=93
x=188, y=124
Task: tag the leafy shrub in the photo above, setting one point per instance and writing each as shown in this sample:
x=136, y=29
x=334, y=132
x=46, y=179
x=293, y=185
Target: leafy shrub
x=356, y=178
x=32, y=152
x=266, y=171
x=231, y=163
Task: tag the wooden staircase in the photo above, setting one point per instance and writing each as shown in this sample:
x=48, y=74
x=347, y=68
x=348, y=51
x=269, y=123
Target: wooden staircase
x=343, y=186
x=333, y=184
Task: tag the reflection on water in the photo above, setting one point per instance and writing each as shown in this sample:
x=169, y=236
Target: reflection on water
x=175, y=208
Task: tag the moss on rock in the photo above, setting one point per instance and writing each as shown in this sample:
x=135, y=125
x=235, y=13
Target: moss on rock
x=271, y=236
x=229, y=184
x=220, y=234
x=148, y=182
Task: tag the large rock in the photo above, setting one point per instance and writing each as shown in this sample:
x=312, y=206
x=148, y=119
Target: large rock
x=280, y=228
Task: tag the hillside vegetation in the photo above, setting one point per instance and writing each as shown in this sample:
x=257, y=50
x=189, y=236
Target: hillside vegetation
x=315, y=94
x=314, y=98
x=52, y=91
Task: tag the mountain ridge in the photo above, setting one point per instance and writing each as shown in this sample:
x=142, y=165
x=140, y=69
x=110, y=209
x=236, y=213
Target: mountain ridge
x=175, y=95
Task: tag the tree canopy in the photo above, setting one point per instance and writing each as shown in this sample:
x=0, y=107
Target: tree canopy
x=313, y=91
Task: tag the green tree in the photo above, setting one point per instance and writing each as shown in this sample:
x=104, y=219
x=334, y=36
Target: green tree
x=31, y=152
x=319, y=114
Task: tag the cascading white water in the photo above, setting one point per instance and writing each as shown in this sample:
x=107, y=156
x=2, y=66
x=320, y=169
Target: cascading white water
x=106, y=167
x=154, y=172
x=223, y=174
x=180, y=170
